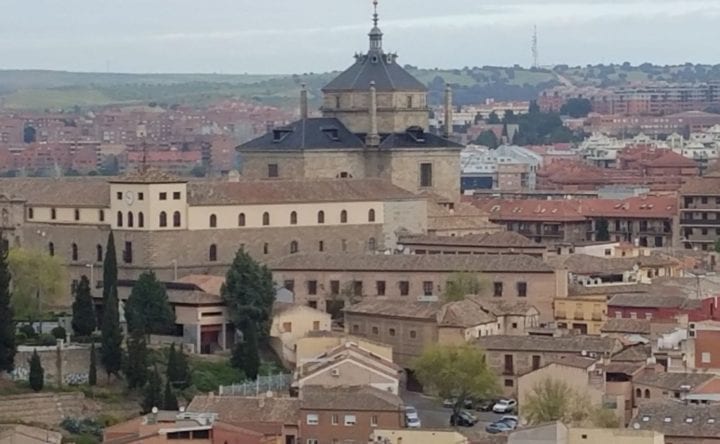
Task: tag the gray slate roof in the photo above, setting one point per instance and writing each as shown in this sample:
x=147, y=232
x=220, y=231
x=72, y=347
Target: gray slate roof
x=313, y=133
x=677, y=419
x=374, y=67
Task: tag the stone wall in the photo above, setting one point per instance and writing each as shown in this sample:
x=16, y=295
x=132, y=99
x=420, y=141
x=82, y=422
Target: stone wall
x=405, y=166
x=63, y=364
x=290, y=165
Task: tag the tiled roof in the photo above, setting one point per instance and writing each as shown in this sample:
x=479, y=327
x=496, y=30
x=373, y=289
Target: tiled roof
x=639, y=207
x=567, y=344
x=624, y=325
x=65, y=192
x=503, y=239
x=627, y=368
x=465, y=313
x=701, y=186
x=351, y=351
x=670, y=159
x=150, y=175
x=531, y=210
x=349, y=398
x=677, y=419
x=409, y=262
x=206, y=282
x=647, y=300
x=504, y=308
x=239, y=410
x=673, y=381
x=396, y=307
x=573, y=361
x=635, y=353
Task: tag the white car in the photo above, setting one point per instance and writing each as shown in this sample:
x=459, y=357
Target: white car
x=505, y=406
x=411, y=418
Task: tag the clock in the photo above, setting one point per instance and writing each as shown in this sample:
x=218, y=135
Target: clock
x=129, y=197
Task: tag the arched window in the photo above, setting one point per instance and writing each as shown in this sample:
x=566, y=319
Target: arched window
x=99, y=253
x=371, y=215
x=343, y=217
x=119, y=219
x=163, y=219
x=294, y=247
x=74, y=252
x=176, y=219
x=647, y=393
x=241, y=220
x=266, y=218
x=321, y=217
x=51, y=249
x=293, y=218
x=141, y=219
x=372, y=244
x=213, y=221
x=638, y=393
x=131, y=219
x=212, y=254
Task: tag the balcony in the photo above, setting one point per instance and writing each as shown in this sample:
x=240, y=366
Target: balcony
x=692, y=221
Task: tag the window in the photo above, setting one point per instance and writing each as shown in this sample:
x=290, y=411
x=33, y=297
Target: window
x=53, y=213
x=141, y=219
x=141, y=196
x=176, y=195
x=509, y=383
x=706, y=358
x=312, y=287
x=273, y=170
x=176, y=219
x=638, y=393
x=98, y=253
x=101, y=215
x=163, y=219
x=287, y=327
x=497, y=289
x=334, y=288
x=375, y=331
x=312, y=441
x=289, y=284
x=316, y=325
x=51, y=249
x=31, y=213
x=426, y=175
x=334, y=419
x=647, y=393
x=321, y=246
x=372, y=244
x=163, y=196
x=428, y=288
x=373, y=421
x=343, y=217
x=266, y=248
x=130, y=219
x=535, y=362
x=213, y=221
x=356, y=328
x=266, y=219
x=371, y=215
x=212, y=254
x=241, y=220
x=74, y=252
x=380, y=288
x=128, y=253
x=294, y=247
x=391, y=332
x=413, y=334
x=77, y=214
x=404, y=288
x=350, y=420
x=119, y=195
x=321, y=217
x=337, y=101
x=119, y=219
x=293, y=218
x=312, y=419
x=409, y=101
x=522, y=289
x=703, y=200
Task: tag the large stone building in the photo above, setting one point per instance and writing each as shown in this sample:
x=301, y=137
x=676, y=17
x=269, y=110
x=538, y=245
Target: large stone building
x=374, y=124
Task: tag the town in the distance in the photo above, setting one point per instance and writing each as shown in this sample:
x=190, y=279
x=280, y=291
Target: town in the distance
x=383, y=254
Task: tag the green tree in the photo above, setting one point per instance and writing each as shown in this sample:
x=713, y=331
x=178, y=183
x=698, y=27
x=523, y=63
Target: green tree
x=457, y=372
x=602, y=232
x=153, y=392
x=147, y=308
x=549, y=400
x=83, y=320
x=493, y=118
x=7, y=323
x=136, y=372
x=92, y=373
x=488, y=138
x=37, y=373
x=39, y=281
x=576, y=108
x=178, y=370
x=109, y=267
x=170, y=401
x=717, y=246
x=246, y=354
x=111, y=349
x=460, y=285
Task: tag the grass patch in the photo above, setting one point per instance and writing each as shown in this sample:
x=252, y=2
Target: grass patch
x=208, y=375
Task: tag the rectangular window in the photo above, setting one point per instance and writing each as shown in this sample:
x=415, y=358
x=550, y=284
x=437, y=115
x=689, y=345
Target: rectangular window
x=53, y=213
x=31, y=213
x=357, y=288
x=316, y=325
x=176, y=195
x=535, y=362
x=706, y=358
x=404, y=288
x=141, y=196
x=273, y=170
x=380, y=287
x=497, y=289
x=311, y=441
x=509, y=383
x=522, y=289
x=334, y=419
x=373, y=421
x=163, y=196
x=289, y=284
x=334, y=288
x=391, y=332
x=426, y=179
x=119, y=195
x=287, y=327
x=428, y=288
x=321, y=246
x=350, y=420
x=312, y=287
x=312, y=419
x=128, y=253
x=101, y=215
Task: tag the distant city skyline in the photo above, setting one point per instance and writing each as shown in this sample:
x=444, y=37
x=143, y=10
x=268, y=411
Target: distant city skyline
x=291, y=36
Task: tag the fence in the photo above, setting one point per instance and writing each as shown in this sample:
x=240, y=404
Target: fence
x=263, y=384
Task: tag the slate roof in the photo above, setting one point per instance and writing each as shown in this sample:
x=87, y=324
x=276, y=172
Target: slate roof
x=374, y=67
x=567, y=344
x=672, y=381
x=406, y=140
x=677, y=419
x=313, y=133
x=349, y=398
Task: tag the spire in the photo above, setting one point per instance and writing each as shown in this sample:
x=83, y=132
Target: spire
x=375, y=15
x=375, y=33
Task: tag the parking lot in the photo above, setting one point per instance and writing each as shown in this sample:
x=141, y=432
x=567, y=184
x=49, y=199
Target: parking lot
x=434, y=415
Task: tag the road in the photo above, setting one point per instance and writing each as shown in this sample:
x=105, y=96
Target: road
x=433, y=415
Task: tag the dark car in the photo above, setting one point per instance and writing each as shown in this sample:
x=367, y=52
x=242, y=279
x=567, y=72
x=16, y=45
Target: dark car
x=463, y=418
x=485, y=405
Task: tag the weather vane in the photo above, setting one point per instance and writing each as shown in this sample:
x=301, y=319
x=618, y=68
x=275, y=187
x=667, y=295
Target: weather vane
x=375, y=14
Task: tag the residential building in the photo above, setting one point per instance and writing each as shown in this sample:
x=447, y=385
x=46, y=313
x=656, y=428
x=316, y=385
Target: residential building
x=705, y=339
x=650, y=386
x=662, y=306
x=584, y=314
x=450, y=219
x=506, y=168
x=347, y=414
x=680, y=422
x=317, y=343
x=415, y=436
x=291, y=322
x=584, y=435
x=503, y=242
x=700, y=212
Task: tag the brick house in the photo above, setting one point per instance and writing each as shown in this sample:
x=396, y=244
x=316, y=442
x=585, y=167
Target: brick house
x=649, y=385
x=699, y=218
x=662, y=307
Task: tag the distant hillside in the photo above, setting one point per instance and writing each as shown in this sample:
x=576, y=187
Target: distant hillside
x=32, y=89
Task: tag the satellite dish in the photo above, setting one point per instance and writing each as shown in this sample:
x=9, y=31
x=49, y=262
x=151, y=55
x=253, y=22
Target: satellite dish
x=154, y=410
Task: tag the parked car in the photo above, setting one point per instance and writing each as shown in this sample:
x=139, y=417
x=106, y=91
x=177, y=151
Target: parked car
x=450, y=403
x=463, y=418
x=512, y=420
x=505, y=406
x=412, y=420
x=485, y=405
x=499, y=427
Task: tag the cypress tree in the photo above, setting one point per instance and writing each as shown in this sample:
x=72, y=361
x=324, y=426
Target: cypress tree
x=246, y=355
x=7, y=324
x=153, y=392
x=137, y=357
x=109, y=267
x=170, y=401
x=83, y=321
x=37, y=373
x=111, y=349
x=178, y=372
x=148, y=308
x=92, y=374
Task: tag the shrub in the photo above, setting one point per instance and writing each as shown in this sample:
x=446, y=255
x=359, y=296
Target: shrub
x=28, y=331
x=59, y=333
x=46, y=339
x=20, y=338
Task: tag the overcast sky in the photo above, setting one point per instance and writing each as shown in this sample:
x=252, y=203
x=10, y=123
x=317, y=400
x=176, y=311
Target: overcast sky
x=295, y=36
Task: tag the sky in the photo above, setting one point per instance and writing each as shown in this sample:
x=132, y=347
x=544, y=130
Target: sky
x=298, y=36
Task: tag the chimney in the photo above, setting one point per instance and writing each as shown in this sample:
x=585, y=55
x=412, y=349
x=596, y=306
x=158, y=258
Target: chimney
x=448, y=111
x=373, y=138
x=303, y=102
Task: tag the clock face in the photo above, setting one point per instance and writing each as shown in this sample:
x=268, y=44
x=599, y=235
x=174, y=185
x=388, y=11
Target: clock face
x=129, y=197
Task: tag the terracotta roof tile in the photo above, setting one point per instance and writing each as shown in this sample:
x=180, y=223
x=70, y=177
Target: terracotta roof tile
x=352, y=398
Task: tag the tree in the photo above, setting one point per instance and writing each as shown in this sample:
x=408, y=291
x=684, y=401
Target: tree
x=549, y=400
x=717, y=246
x=111, y=349
x=493, y=118
x=148, y=308
x=178, y=370
x=246, y=355
x=576, y=108
x=83, y=320
x=458, y=372
x=37, y=373
x=109, y=267
x=7, y=324
x=460, y=285
x=602, y=232
x=170, y=401
x=39, y=281
x=488, y=138
x=92, y=373
x=137, y=360
x=153, y=392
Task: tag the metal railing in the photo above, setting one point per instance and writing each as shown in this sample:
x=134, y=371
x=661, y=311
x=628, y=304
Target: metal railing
x=263, y=384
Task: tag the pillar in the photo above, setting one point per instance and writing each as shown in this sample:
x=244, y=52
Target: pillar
x=373, y=138
x=448, y=111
